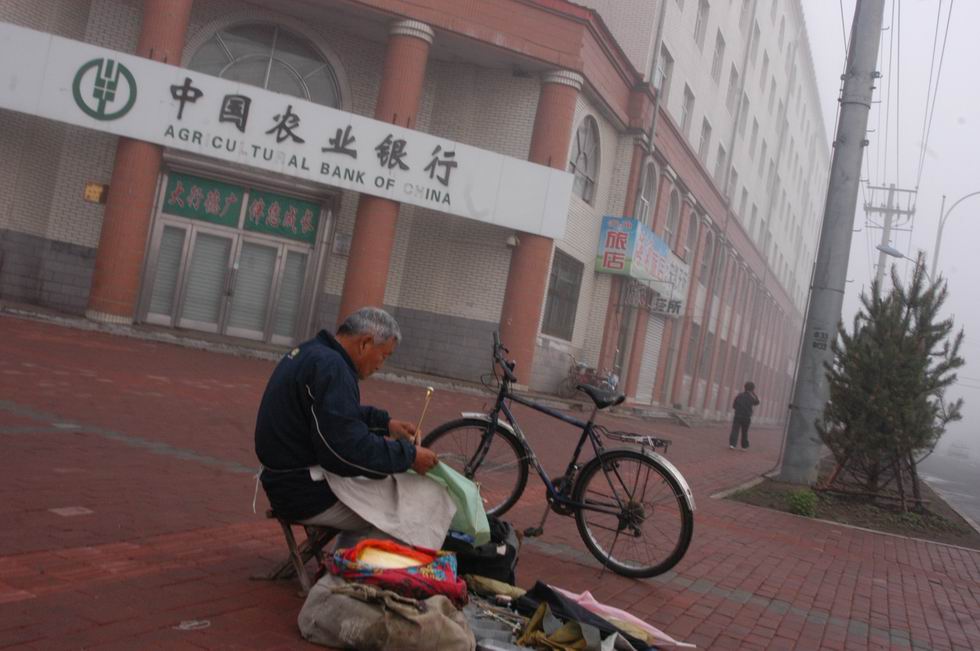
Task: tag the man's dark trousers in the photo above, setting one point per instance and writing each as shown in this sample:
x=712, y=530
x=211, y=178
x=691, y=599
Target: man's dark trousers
x=740, y=424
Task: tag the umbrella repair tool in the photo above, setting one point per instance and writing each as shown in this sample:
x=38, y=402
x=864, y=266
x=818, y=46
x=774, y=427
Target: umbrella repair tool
x=418, y=428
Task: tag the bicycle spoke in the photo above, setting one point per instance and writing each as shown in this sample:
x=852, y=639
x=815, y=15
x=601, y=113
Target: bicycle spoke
x=634, y=520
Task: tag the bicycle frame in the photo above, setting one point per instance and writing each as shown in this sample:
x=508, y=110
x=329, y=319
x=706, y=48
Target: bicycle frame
x=511, y=423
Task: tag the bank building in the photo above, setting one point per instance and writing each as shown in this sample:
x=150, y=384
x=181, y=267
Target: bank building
x=633, y=184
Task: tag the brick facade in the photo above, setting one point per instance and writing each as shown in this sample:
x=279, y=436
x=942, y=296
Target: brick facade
x=446, y=277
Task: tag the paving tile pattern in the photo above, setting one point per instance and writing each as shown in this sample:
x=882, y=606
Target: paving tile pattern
x=156, y=441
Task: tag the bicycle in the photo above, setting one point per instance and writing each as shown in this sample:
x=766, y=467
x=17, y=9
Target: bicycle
x=582, y=373
x=607, y=495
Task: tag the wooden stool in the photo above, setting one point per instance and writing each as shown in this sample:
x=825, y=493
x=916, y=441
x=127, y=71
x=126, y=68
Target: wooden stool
x=316, y=539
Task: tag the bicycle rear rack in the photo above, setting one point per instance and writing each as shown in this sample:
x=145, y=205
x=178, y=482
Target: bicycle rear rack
x=643, y=440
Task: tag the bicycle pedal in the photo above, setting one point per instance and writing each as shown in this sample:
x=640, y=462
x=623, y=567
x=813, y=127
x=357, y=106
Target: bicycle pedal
x=533, y=532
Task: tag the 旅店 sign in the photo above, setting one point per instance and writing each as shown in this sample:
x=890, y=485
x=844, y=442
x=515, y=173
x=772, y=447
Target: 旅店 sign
x=89, y=86
x=627, y=247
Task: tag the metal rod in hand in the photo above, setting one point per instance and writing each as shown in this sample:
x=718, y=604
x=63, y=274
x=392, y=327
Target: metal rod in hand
x=425, y=407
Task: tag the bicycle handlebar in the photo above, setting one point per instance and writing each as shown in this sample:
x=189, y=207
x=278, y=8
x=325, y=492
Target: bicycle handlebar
x=506, y=365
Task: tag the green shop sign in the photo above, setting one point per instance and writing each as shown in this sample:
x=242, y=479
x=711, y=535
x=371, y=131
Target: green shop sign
x=283, y=216
x=203, y=199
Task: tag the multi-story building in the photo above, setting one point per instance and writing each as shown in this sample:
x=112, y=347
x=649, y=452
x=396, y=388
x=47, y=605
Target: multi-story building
x=519, y=189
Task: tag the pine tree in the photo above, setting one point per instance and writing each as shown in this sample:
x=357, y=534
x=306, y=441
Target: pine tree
x=888, y=381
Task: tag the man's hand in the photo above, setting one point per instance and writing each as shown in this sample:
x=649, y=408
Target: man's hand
x=401, y=429
x=425, y=460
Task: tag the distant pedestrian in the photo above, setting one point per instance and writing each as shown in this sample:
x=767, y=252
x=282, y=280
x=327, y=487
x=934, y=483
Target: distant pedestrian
x=743, y=404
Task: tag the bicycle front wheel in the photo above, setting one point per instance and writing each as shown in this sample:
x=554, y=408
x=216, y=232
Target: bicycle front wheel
x=634, y=517
x=495, y=459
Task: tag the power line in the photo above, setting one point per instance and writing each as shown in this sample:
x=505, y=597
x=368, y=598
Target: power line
x=925, y=113
x=898, y=95
x=888, y=96
x=939, y=73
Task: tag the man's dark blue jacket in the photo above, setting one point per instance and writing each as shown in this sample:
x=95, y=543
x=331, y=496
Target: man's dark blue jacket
x=311, y=415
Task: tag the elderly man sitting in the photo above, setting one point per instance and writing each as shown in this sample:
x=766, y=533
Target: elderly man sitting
x=312, y=431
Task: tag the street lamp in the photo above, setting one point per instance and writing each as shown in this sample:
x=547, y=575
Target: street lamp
x=888, y=249
x=942, y=222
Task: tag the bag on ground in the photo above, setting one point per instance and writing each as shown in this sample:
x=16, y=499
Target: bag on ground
x=495, y=560
x=344, y=615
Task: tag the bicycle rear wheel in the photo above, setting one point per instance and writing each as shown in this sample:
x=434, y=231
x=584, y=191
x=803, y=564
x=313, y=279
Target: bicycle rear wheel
x=500, y=468
x=646, y=525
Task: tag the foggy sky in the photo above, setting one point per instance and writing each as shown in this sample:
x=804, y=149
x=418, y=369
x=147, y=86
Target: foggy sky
x=951, y=165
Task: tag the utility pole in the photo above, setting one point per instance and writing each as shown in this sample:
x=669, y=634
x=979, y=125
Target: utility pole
x=802, y=450
x=890, y=212
x=886, y=235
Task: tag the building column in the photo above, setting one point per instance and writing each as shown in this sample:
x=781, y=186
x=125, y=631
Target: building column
x=709, y=302
x=129, y=206
x=724, y=385
x=614, y=311
x=688, y=320
x=674, y=327
x=743, y=356
x=402, y=80
x=530, y=262
x=709, y=375
x=632, y=374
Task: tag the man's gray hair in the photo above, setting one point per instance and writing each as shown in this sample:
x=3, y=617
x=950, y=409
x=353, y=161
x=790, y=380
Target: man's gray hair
x=374, y=321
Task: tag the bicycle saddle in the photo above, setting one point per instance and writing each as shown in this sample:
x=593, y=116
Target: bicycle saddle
x=601, y=397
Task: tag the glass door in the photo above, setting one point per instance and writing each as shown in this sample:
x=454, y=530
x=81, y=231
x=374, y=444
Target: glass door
x=289, y=302
x=168, y=267
x=253, y=279
x=206, y=286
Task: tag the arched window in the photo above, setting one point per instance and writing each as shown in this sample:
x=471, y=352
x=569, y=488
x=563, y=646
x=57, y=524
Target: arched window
x=709, y=250
x=647, y=199
x=673, y=219
x=692, y=235
x=584, y=162
x=271, y=57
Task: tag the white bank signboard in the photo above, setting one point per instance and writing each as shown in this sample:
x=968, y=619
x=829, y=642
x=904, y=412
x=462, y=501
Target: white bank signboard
x=89, y=86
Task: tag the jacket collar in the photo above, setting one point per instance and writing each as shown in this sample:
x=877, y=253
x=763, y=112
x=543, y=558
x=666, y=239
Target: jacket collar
x=330, y=341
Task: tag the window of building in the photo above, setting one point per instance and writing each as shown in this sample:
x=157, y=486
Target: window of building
x=754, y=46
x=709, y=250
x=743, y=115
x=782, y=32
x=772, y=94
x=705, y=142
x=664, y=74
x=692, y=235
x=648, y=194
x=732, y=184
x=562, y=299
x=732, y=95
x=753, y=138
x=584, y=163
x=701, y=23
x=719, y=57
x=762, y=158
x=743, y=202
x=271, y=57
x=673, y=219
x=687, y=110
x=772, y=11
x=755, y=218
x=765, y=71
x=720, y=161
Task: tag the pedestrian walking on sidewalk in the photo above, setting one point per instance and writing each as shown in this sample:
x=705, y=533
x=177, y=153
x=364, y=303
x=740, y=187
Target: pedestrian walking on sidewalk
x=743, y=404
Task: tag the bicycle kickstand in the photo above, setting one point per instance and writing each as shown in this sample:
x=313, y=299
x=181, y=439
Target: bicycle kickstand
x=534, y=532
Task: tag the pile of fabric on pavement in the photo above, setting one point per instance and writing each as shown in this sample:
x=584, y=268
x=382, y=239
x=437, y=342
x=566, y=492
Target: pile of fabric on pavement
x=381, y=595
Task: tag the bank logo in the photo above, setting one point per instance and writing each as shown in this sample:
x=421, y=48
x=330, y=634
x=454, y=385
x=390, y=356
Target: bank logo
x=98, y=91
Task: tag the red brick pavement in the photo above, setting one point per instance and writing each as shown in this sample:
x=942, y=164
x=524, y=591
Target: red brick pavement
x=150, y=445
